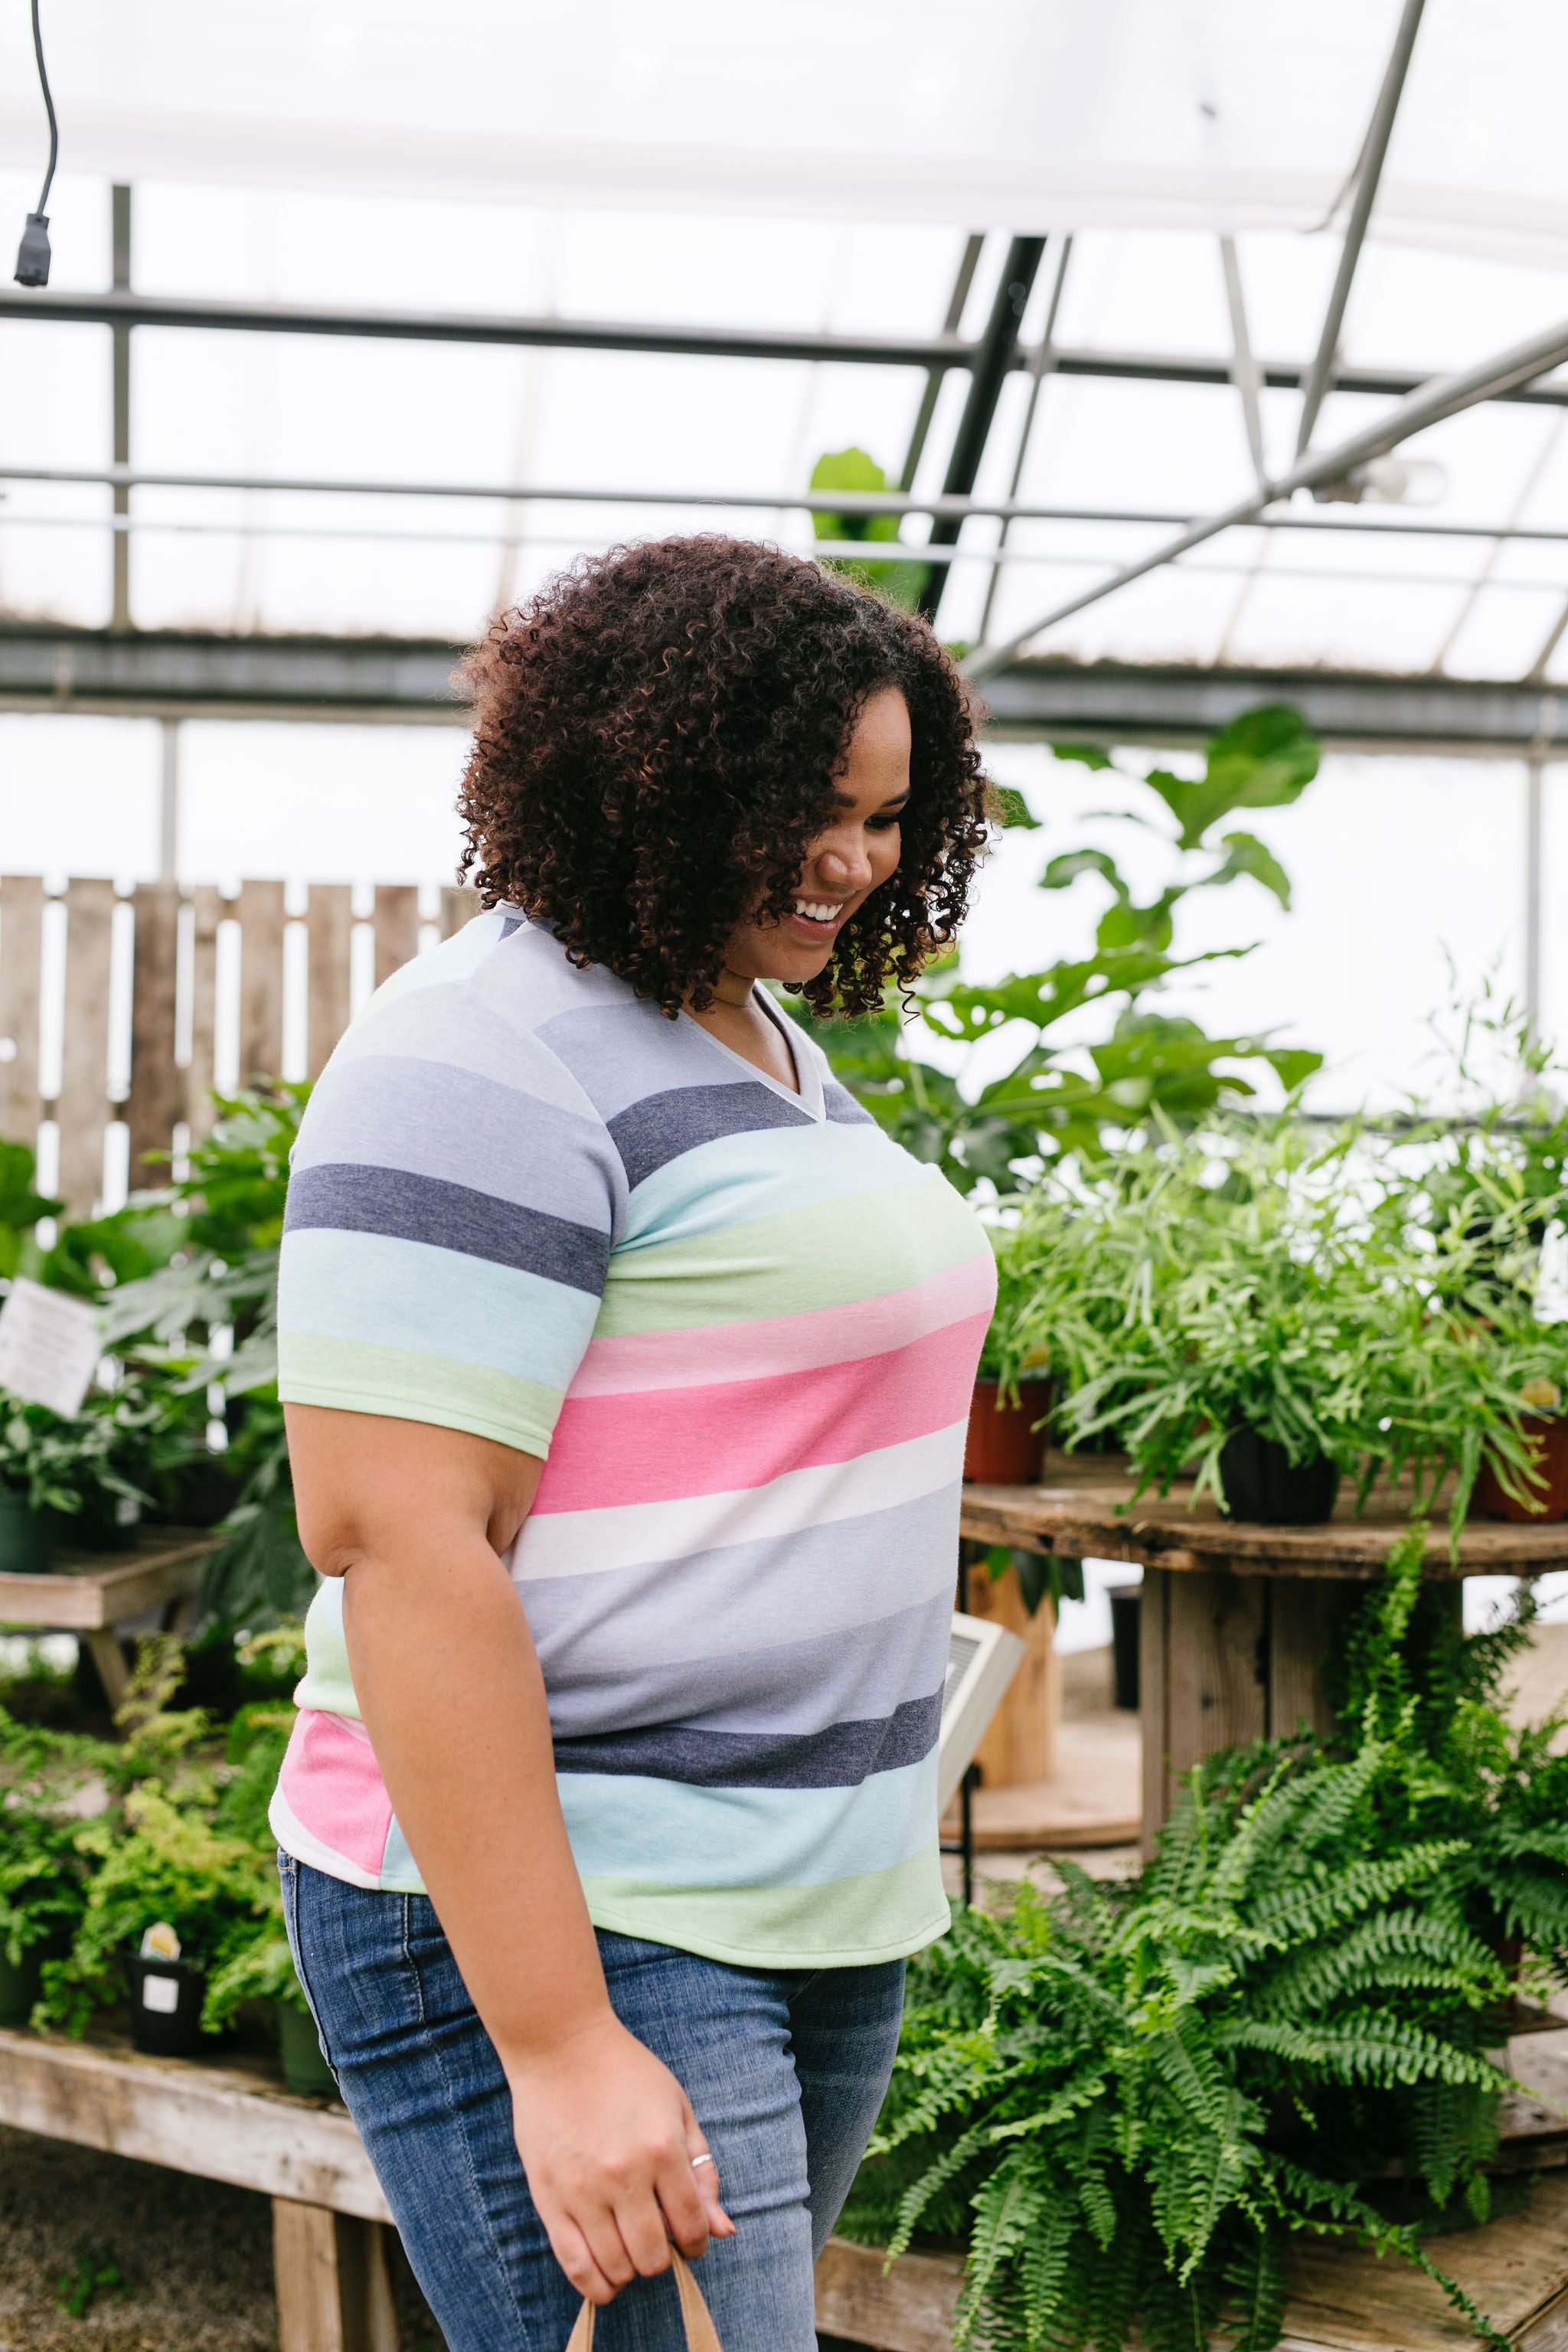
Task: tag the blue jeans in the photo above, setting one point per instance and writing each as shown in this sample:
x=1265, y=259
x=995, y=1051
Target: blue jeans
x=786, y=2072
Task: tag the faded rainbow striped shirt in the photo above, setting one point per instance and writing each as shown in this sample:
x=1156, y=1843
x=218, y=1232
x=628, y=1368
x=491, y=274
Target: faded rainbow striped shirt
x=741, y=1326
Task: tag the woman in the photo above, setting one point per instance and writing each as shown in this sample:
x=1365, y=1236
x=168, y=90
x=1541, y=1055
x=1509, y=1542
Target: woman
x=600, y=1295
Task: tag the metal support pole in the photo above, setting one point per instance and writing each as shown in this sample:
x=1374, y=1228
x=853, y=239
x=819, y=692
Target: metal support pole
x=168, y=804
x=119, y=219
x=1244, y=367
x=1041, y=366
x=1373, y=153
x=1534, y=769
x=1442, y=396
x=996, y=354
x=968, y=260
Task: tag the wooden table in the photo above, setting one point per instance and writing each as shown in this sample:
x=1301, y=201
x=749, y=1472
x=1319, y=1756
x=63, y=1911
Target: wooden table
x=92, y=1592
x=1237, y=1619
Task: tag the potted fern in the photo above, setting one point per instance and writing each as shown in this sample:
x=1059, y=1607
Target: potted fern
x=1126, y=2099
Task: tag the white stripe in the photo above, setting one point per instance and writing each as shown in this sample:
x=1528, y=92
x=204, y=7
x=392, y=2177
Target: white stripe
x=294, y=1837
x=579, y=1543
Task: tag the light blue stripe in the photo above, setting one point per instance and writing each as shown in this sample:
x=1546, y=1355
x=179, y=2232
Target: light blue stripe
x=667, y=1833
x=740, y=1177
x=398, y=1868
x=391, y=1293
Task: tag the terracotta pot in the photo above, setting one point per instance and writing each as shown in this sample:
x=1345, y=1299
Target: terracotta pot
x=1264, y=1486
x=1004, y=1447
x=1548, y=1441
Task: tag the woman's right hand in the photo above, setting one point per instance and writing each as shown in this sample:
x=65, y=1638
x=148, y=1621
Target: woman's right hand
x=607, y=2135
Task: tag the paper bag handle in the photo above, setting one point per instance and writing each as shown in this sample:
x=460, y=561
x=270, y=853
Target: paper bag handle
x=701, y=2335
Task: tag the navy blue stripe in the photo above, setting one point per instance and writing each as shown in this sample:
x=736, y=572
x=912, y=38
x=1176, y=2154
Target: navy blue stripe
x=650, y=1133
x=841, y=1756
x=352, y=1198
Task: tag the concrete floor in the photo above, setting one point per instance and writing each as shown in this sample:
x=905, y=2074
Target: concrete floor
x=195, y=2257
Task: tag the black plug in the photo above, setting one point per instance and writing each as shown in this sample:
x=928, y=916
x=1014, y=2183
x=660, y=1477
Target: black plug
x=33, y=254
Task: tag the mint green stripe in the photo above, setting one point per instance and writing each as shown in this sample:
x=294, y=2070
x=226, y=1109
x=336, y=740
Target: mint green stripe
x=880, y=1915
x=356, y=1376
x=736, y=1179
x=831, y=1254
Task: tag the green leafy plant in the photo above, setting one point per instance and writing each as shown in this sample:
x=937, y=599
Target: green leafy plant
x=172, y=1842
x=1069, y=1091
x=95, y=2276
x=1274, y=1278
x=48, y=1779
x=855, y=469
x=1126, y=2099
x=210, y=1317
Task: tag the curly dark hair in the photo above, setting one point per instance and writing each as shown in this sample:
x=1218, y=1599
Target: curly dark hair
x=657, y=735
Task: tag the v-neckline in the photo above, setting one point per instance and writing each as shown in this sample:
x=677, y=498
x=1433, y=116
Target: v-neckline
x=806, y=1092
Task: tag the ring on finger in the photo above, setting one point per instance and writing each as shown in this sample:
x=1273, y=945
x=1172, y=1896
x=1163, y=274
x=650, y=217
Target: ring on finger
x=704, y=2158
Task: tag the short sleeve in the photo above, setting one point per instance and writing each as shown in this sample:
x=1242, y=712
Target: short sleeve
x=452, y=1203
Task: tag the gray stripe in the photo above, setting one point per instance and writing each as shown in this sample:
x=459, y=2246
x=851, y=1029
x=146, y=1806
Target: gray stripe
x=792, y=1686
x=593, y=1629
x=841, y=1756
x=353, y=1199
x=842, y=1108
x=427, y=1119
x=622, y=1051
x=662, y=1127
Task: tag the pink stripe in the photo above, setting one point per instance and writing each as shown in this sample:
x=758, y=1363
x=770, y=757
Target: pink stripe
x=658, y=1446
x=332, y=1786
x=784, y=1343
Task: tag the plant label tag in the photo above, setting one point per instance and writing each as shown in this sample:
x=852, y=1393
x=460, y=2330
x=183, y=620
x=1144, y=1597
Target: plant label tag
x=161, y=1993
x=49, y=1347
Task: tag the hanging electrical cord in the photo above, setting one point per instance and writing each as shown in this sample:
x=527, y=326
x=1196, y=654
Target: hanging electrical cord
x=33, y=254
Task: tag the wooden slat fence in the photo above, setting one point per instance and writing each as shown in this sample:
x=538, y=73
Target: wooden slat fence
x=150, y=995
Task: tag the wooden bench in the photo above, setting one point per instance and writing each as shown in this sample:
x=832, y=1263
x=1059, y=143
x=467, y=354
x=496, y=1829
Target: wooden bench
x=230, y=2123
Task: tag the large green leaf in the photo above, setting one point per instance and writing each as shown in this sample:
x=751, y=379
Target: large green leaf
x=856, y=469
x=1264, y=759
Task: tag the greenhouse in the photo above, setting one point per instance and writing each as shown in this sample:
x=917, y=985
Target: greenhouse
x=784, y=1178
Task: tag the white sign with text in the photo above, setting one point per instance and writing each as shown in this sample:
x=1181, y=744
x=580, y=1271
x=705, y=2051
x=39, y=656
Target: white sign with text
x=49, y=1347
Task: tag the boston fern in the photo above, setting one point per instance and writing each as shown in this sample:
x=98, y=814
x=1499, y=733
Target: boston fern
x=1127, y=2097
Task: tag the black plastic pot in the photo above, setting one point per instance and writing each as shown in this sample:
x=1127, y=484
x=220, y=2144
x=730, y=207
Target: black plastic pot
x=26, y=1536
x=19, y=1985
x=197, y=1495
x=21, y=1982
x=1262, y=1484
x=300, y=2053
x=166, y=1999
x=1126, y=1621
x=110, y=1523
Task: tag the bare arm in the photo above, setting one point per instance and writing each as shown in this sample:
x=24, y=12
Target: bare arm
x=416, y=1519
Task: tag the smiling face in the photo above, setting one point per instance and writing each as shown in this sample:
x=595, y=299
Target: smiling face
x=853, y=856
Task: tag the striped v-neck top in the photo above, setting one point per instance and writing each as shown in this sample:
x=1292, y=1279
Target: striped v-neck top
x=740, y=1326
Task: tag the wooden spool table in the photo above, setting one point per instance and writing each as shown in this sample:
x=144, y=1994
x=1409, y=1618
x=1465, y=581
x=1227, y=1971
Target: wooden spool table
x=1237, y=1620
x=91, y=1593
